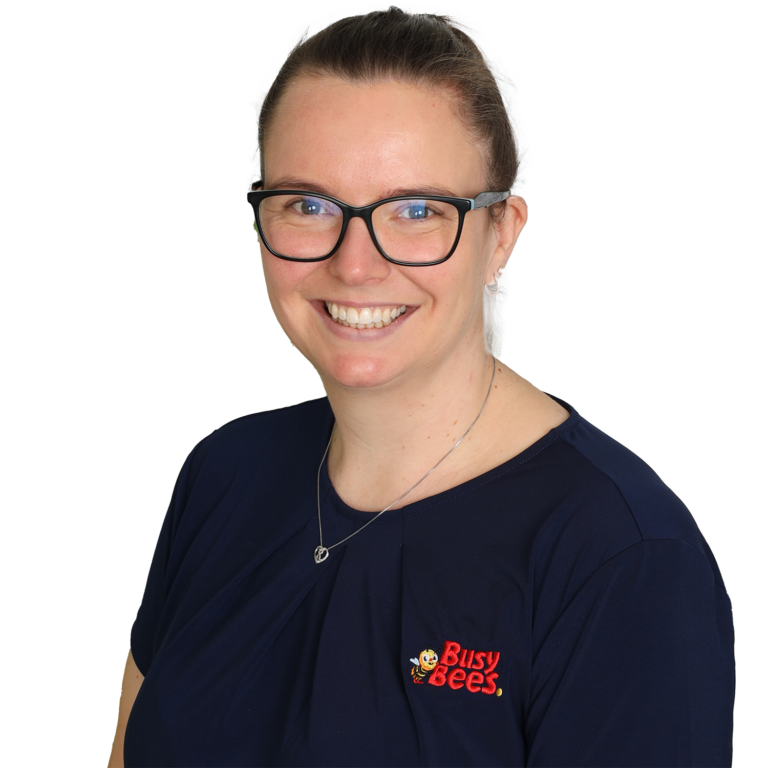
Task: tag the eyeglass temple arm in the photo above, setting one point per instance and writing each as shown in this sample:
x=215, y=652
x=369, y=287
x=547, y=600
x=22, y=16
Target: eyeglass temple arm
x=488, y=198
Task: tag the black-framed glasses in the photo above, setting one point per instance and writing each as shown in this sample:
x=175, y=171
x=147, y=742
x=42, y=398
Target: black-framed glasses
x=411, y=230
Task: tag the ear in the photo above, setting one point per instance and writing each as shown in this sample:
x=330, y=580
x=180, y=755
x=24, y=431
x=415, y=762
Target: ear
x=507, y=231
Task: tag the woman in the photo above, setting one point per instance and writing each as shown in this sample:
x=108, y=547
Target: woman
x=438, y=563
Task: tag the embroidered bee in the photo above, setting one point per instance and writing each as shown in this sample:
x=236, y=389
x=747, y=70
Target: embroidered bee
x=424, y=664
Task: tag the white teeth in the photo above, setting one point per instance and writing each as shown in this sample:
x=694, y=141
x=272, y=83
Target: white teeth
x=363, y=317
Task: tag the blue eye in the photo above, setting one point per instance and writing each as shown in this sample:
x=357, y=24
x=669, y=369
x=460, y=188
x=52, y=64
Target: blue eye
x=416, y=210
x=314, y=206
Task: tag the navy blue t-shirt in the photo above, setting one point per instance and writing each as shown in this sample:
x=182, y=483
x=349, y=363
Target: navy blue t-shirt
x=562, y=609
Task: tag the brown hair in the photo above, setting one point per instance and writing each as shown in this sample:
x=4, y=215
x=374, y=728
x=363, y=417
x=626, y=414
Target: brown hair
x=416, y=48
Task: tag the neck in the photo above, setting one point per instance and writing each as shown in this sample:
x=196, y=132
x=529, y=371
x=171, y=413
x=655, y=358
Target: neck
x=386, y=438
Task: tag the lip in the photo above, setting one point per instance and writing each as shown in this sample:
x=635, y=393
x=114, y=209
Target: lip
x=355, y=334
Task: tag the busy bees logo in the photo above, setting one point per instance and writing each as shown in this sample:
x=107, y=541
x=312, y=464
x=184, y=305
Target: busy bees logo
x=458, y=667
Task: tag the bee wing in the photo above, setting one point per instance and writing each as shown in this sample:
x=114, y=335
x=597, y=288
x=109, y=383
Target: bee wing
x=415, y=661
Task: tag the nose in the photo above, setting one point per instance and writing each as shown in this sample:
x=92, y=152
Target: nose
x=357, y=262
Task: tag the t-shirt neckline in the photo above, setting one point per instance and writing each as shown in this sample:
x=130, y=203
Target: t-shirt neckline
x=330, y=498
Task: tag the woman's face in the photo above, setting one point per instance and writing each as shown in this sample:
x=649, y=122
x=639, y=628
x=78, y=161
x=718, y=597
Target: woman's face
x=362, y=143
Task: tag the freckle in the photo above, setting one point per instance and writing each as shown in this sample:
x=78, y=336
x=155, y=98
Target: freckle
x=455, y=422
x=499, y=370
x=495, y=386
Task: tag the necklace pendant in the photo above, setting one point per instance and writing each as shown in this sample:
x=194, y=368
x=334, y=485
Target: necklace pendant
x=321, y=553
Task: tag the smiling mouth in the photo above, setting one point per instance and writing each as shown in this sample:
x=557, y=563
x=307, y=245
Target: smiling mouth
x=364, y=317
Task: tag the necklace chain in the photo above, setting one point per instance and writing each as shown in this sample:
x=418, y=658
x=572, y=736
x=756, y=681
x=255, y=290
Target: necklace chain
x=321, y=552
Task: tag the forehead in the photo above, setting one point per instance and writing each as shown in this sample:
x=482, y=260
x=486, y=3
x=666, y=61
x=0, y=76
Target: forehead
x=364, y=140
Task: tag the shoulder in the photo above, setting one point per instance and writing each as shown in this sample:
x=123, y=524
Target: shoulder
x=288, y=434
x=655, y=509
x=249, y=465
x=282, y=425
x=614, y=525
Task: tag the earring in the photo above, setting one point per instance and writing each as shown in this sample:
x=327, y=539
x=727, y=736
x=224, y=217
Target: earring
x=493, y=288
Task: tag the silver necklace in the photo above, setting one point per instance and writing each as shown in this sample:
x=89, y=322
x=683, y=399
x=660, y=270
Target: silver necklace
x=321, y=552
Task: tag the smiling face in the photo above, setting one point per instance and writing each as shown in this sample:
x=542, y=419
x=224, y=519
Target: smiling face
x=359, y=144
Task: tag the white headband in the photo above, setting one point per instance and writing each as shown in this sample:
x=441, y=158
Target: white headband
x=508, y=84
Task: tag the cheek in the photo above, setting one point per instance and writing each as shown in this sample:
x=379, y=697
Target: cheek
x=283, y=279
x=481, y=239
x=475, y=255
x=278, y=277
x=271, y=279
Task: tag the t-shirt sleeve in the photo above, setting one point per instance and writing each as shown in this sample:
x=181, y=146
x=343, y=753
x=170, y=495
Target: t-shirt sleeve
x=637, y=669
x=144, y=633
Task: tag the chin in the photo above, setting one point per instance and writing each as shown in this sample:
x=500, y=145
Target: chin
x=360, y=370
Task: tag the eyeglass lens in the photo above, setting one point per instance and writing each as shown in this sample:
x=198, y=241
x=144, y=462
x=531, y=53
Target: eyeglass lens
x=307, y=227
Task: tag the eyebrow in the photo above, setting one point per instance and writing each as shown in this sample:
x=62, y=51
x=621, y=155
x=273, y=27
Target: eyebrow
x=293, y=182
